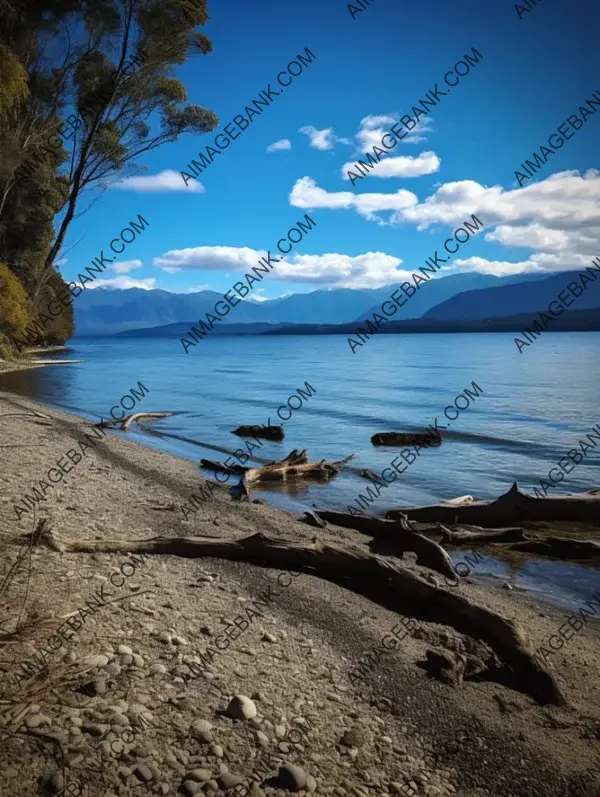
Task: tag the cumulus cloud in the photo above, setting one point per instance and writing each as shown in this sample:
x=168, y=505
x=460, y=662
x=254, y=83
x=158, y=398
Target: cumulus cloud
x=126, y=266
x=372, y=128
x=401, y=166
x=322, y=139
x=163, y=182
x=283, y=143
x=307, y=194
x=209, y=258
x=335, y=270
x=123, y=283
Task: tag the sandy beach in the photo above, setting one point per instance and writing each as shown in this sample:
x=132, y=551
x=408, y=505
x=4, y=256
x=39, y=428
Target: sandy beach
x=131, y=701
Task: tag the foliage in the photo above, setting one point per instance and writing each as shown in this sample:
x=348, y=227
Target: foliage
x=15, y=309
x=105, y=67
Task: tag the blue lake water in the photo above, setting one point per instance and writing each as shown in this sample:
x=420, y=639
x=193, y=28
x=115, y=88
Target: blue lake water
x=534, y=407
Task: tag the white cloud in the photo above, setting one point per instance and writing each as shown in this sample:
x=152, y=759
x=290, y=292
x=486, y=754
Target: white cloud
x=307, y=194
x=368, y=270
x=123, y=283
x=163, y=182
x=322, y=139
x=283, y=143
x=207, y=258
x=126, y=267
x=192, y=288
x=402, y=166
x=373, y=128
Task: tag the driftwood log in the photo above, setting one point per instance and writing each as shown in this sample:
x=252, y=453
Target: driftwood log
x=126, y=422
x=268, y=432
x=512, y=508
x=470, y=534
x=294, y=466
x=220, y=467
x=405, y=439
x=380, y=580
x=560, y=548
x=398, y=537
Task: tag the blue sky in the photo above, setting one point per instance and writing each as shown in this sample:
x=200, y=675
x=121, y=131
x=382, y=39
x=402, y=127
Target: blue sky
x=535, y=72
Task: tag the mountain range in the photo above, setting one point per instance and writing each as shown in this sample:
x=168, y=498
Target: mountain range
x=451, y=300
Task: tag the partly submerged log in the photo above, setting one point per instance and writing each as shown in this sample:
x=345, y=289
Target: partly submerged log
x=405, y=439
x=136, y=417
x=220, y=467
x=560, y=548
x=294, y=466
x=397, y=536
x=380, y=580
x=510, y=509
x=268, y=432
x=471, y=534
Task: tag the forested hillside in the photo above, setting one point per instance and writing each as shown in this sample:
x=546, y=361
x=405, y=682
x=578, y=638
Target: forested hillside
x=86, y=88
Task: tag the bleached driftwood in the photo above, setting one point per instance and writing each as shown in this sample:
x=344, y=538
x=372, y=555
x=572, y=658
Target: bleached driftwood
x=220, y=467
x=380, y=580
x=510, y=509
x=294, y=466
x=471, y=534
x=126, y=422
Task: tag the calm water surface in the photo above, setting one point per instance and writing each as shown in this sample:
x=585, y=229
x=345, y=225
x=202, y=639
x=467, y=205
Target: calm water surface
x=535, y=406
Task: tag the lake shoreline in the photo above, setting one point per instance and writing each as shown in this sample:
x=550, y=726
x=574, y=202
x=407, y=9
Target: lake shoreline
x=125, y=490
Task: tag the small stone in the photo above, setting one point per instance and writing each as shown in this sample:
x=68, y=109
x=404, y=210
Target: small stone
x=292, y=777
x=178, y=640
x=228, y=781
x=353, y=738
x=98, y=687
x=158, y=668
x=138, y=661
x=164, y=637
x=53, y=784
x=202, y=730
x=143, y=773
x=199, y=775
x=124, y=650
x=98, y=661
x=189, y=788
x=241, y=708
x=217, y=750
x=267, y=637
x=205, y=579
x=35, y=720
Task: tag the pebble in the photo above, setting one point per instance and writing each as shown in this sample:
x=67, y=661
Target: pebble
x=189, y=788
x=353, y=738
x=199, y=775
x=202, y=730
x=217, y=750
x=143, y=773
x=124, y=650
x=53, y=784
x=228, y=781
x=292, y=777
x=34, y=720
x=241, y=708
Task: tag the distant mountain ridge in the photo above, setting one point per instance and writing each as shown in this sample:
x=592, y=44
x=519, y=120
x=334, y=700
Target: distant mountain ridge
x=108, y=311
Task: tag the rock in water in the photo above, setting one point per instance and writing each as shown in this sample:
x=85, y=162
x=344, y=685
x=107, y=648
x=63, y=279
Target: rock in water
x=269, y=432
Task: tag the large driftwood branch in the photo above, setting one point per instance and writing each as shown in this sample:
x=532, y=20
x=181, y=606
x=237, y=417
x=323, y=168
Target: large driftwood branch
x=380, y=580
x=397, y=536
x=136, y=417
x=512, y=508
x=220, y=467
x=560, y=548
x=471, y=534
x=294, y=466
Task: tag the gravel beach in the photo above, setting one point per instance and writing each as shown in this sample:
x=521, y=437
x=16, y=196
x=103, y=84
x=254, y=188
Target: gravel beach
x=129, y=704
